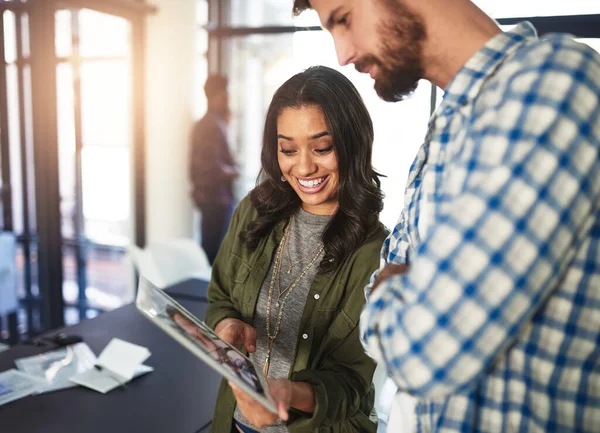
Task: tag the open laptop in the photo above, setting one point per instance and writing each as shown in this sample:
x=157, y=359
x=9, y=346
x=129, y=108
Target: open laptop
x=199, y=339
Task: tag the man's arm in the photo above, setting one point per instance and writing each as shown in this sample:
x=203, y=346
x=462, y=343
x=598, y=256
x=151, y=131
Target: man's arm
x=393, y=257
x=229, y=172
x=226, y=161
x=210, y=158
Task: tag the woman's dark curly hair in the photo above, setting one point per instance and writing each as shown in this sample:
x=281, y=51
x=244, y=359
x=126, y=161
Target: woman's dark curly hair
x=351, y=129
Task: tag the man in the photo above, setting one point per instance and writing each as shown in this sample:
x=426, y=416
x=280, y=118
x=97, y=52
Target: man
x=212, y=168
x=489, y=310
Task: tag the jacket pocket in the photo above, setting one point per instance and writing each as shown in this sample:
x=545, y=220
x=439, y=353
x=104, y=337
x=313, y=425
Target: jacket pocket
x=336, y=329
x=341, y=326
x=237, y=269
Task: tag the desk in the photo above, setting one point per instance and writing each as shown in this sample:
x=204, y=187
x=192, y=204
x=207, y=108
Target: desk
x=193, y=290
x=178, y=397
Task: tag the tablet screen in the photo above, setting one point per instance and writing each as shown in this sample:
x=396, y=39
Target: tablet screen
x=224, y=354
x=201, y=340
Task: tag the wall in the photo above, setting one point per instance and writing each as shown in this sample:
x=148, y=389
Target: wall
x=170, y=57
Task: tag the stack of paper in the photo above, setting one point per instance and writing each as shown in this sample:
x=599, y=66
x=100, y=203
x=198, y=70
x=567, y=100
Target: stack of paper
x=118, y=363
x=15, y=385
x=74, y=365
x=57, y=366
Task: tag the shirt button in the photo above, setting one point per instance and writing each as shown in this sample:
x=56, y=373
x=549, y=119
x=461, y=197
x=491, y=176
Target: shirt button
x=305, y=336
x=317, y=296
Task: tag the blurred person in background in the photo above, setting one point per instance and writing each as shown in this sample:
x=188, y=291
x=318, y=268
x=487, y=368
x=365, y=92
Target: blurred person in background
x=212, y=167
x=488, y=307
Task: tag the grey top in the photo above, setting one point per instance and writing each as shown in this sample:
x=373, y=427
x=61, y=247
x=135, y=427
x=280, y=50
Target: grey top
x=305, y=240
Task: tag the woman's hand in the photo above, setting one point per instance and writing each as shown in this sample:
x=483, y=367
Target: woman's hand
x=237, y=333
x=281, y=392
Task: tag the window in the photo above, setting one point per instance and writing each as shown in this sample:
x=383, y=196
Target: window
x=201, y=61
x=95, y=174
x=258, y=63
x=259, y=13
x=86, y=200
x=594, y=43
x=536, y=8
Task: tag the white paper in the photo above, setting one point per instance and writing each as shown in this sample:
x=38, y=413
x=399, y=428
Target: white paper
x=122, y=358
x=103, y=381
x=57, y=366
x=15, y=385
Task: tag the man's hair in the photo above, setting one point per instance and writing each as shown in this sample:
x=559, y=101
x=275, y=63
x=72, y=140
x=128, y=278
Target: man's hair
x=214, y=85
x=301, y=5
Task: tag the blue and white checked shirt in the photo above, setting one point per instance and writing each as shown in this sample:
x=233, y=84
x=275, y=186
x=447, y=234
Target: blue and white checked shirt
x=496, y=326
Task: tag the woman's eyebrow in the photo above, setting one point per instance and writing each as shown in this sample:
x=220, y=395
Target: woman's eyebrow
x=312, y=137
x=319, y=135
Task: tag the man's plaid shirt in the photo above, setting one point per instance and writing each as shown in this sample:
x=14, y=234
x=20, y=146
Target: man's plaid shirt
x=496, y=326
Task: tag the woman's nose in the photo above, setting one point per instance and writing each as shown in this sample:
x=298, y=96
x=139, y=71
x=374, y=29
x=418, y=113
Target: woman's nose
x=306, y=165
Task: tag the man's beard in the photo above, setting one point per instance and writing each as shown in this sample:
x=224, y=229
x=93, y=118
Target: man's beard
x=400, y=64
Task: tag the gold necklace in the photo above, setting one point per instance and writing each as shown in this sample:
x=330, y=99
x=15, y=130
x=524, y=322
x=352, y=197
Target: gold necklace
x=281, y=304
x=280, y=293
x=288, y=248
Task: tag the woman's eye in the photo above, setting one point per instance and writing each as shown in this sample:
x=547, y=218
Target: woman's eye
x=325, y=150
x=287, y=152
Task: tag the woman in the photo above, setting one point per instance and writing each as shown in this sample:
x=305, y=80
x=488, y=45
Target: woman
x=288, y=281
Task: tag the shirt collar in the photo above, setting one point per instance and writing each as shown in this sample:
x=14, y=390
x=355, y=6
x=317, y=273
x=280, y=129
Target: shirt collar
x=469, y=80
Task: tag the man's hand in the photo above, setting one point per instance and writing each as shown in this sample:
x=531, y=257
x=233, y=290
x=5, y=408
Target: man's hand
x=387, y=272
x=237, y=333
x=256, y=413
x=230, y=171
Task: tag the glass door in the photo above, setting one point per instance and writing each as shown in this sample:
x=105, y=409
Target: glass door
x=18, y=209
x=71, y=145
x=95, y=146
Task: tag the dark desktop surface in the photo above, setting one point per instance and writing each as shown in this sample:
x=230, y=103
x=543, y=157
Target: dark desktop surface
x=192, y=290
x=178, y=396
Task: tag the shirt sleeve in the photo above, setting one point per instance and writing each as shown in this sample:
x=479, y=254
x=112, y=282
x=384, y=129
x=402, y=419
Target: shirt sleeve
x=394, y=250
x=220, y=303
x=530, y=180
x=209, y=155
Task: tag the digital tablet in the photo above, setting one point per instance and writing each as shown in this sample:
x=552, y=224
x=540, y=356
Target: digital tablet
x=199, y=339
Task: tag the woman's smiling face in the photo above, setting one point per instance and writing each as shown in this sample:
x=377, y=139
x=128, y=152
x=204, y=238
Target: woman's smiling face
x=307, y=158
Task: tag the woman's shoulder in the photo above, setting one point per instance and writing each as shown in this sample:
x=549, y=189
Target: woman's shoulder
x=246, y=203
x=374, y=241
x=362, y=264
x=246, y=211
x=365, y=259
x=381, y=233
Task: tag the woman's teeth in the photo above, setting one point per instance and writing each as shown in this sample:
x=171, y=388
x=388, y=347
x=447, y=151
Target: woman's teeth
x=311, y=183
